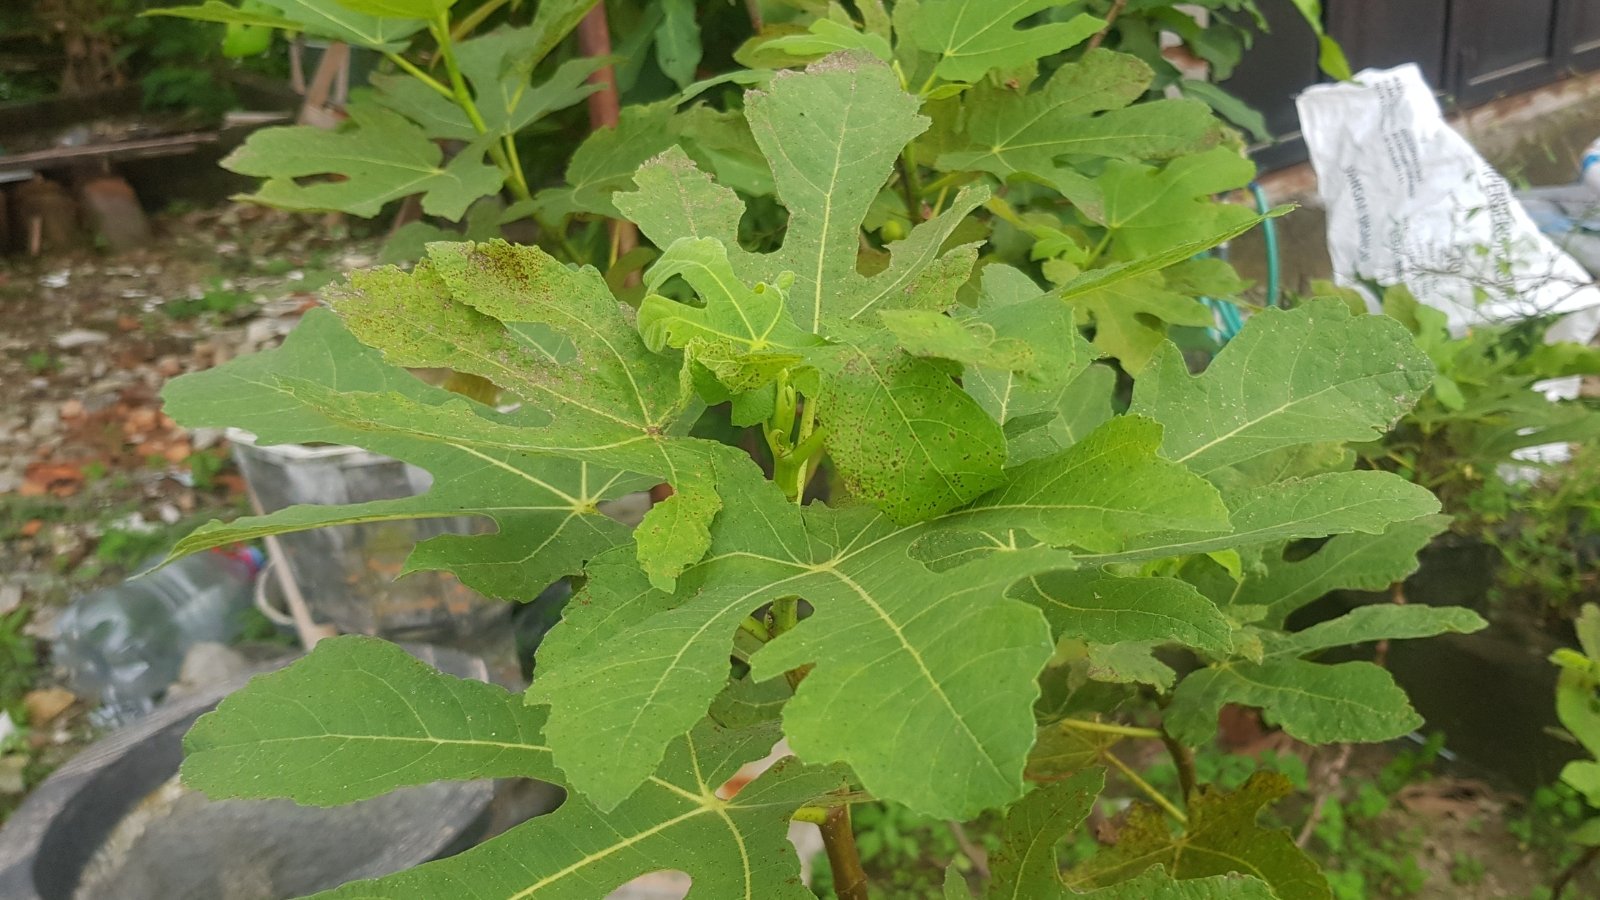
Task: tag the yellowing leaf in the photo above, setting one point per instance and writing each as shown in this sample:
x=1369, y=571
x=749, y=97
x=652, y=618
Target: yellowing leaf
x=545, y=507
x=1220, y=837
x=1025, y=866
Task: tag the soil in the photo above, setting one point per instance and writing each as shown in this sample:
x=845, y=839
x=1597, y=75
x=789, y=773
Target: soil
x=94, y=479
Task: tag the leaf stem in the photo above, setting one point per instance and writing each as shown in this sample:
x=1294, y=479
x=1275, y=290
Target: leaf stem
x=1183, y=760
x=1110, y=728
x=1111, y=19
x=1099, y=248
x=463, y=97
x=839, y=840
x=785, y=614
x=1144, y=787
x=411, y=69
x=755, y=627
x=476, y=18
x=1559, y=886
x=911, y=183
x=816, y=815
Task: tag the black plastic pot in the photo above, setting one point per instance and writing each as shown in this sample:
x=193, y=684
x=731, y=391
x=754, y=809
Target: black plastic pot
x=1491, y=693
x=274, y=847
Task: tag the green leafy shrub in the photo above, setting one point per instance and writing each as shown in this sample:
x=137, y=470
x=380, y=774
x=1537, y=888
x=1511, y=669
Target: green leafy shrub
x=1010, y=558
x=1578, y=708
x=1466, y=439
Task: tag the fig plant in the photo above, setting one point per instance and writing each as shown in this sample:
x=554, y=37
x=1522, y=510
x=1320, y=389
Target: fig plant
x=1098, y=167
x=1011, y=555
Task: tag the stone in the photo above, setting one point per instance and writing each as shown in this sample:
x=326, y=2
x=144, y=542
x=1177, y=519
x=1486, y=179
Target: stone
x=46, y=421
x=112, y=208
x=80, y=337
x=45, y=704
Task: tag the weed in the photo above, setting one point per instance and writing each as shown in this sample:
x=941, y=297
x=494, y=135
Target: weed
x=218, y=299
x=18, y=662
x=127, y=548
x=16, y=512
x=277, y=265
x=40, y=362
x=906, y=853
x=205, y=465
x=1466, y=870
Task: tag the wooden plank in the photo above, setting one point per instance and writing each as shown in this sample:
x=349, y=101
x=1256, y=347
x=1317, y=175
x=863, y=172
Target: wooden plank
x=60, y=157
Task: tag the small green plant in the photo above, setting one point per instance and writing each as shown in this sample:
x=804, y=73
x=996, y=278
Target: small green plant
x=1467, y=438
x=18, y=663
x=908, y=856
x=1578, y=708
x=1545, y=532
x=217, y=299
x=1485, y=404
x=1363, y=852
x=16, y=512
x=205, y=466
x=1466, y=870
x=40, y=362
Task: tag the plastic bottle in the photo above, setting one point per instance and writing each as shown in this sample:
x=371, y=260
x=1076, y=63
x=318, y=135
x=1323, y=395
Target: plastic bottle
x=1589, y=167
x=125, y=644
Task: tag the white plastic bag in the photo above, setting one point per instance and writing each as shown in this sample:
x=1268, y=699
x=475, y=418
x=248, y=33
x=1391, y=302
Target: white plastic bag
x=1410, y=202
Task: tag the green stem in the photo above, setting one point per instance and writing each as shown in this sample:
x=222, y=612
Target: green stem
x=476, y=18
x=1109, y=728
x=515, y=159
x=808, y=419
x=1099, y=248
x=1183, y=760
x=779, y=430
x=463, y=97
x=1559, y=886
x=785, y=614
x=816, y=815
x=911, y=182
x=1145, y=787
x=411, y=69
x=754, y=626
